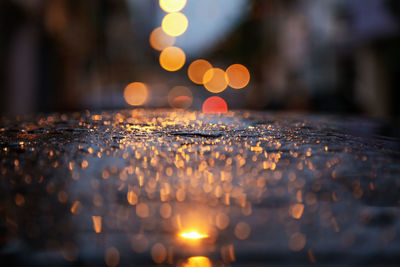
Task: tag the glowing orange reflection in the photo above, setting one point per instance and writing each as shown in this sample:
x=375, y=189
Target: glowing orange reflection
x=76, y=207
x=172, y=58
x=198, y=261
x=215, y=80
x=112, y=257
x=132, y=197
x=97, y=223
x=174, y=24
x=136, y=94
x=172, y=5
x=193, y=235
x=180, y=97
x=238, y=76
x=159, y=40
x=197, y=69
x=215, y=104
x=296, y=211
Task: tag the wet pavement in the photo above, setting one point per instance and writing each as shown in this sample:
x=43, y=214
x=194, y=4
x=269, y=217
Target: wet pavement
x=161, y=187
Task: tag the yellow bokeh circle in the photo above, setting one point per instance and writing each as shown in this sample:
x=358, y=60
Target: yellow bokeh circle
x=172, y=58
x=172, y=5
x=197, y=69
x=174, y=24
x=136, y=94
x=215, y=80
x=159, y=40
x=238, y=76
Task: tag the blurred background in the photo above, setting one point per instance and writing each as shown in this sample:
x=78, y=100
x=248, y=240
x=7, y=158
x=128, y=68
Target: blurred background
x=336, y=56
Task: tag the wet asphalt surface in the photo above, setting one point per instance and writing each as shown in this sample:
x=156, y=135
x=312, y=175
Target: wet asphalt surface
x=162, y=187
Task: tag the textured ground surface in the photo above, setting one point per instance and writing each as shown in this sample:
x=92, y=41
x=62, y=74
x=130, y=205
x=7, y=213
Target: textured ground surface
x=118, y=188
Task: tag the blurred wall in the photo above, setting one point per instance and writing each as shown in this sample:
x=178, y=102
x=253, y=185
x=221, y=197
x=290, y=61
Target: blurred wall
x=330, y=55
x=56, y=53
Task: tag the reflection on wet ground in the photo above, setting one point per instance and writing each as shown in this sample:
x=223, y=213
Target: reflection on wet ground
x=183, y=188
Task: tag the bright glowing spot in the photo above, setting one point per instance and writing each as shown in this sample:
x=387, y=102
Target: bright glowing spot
x=197, y=69
x=172, y=58
x=76, y=207
x=180, y=97
x=238, y=76
x=296, y=211
x=192, y=235
x=97, y=223
x=172, y=5
x=198, y=261
x=159, y=40
x=174, y=24
x=215, y=80
x=136, y=94
x=132, y=197
x=215, y=104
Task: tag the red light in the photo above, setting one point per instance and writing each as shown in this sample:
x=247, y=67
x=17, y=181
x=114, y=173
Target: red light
x=215, y=104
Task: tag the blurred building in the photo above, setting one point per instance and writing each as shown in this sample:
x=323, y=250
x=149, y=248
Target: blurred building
x=331, y=55
x=57, y=53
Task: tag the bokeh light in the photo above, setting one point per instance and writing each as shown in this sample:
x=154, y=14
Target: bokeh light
x=242, y=230
x=297, y=241
x=142, y=210
x=180, y=97
x=222, y=220
x=198, y=261
x=159, y=40
x=158, y=253
x=197, y=69
x=139, y=243
x=174, y=24
x=238, y=76
x=172, y=5
x=215, y=104
x=97, y=223
x=172, y=58
x=136, y=94
x=165, y=210
x=193, y=235
x=296, y=211
x=215, y=80
x=112, y=257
